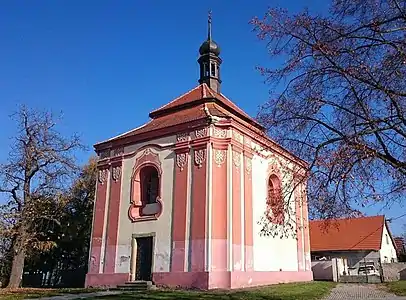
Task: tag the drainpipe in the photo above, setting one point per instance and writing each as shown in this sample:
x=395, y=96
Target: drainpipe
x=366, y=269
x=338, y=275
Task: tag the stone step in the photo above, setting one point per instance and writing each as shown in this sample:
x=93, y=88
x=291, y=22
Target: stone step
x=136, y=286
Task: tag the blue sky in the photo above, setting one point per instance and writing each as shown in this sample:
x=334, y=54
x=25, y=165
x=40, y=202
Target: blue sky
x=107, y=64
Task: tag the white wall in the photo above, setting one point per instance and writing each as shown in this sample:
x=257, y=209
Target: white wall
x=388, y=251
x=270, y=253
x=163, y=226
x=322, y=270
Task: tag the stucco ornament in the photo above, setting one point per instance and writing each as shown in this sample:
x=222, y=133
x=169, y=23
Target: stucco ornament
x=118, y=151
x=220, y=133
x=247, y=141
x=219, y=157
x=147, y=156
x=200, y=133
x=238, y=136
x=104, y=154
x=116, y=174
x=102, y=176
x=182, y=137
x=237, y=159
x=181, y=160
x=248, y=165
x=275, y=164
x=200, y=156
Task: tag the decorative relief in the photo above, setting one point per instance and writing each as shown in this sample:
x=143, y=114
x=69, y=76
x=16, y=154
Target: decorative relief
x=200, y=156
x=102, y=176
x=248, y=165
x=148, y=157
x=238, y=136
x=274, y=168
x=237, y=159
x=118, y=151
x=248, y=142
x=219, y=156
x=116, y=173
x=201, y=133
x=181, y=160
x=182, y=137
x=275, y=164
x=104, y=154
x=220, y=133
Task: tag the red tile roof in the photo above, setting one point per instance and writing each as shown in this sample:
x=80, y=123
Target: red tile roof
x=399, y=244
x=199, y=103
x=363, y=233
x=200, y=92
x=179, y=117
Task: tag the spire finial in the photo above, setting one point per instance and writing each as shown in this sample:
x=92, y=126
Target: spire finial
x=209, y=25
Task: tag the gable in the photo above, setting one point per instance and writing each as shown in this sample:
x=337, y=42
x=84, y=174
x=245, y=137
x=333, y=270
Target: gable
x=387, y=241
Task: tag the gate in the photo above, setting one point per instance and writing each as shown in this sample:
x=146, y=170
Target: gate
x=365, y=271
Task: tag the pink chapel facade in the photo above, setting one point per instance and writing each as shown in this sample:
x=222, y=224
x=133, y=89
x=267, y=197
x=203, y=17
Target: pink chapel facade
x=179, y=199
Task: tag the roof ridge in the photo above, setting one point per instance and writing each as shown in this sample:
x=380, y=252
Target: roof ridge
x=183, y=95
x=204, y=90
x=210, y=90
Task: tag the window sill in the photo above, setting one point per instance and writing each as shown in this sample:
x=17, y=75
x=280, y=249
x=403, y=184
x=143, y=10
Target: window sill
x=144, y=218
x=148, y=212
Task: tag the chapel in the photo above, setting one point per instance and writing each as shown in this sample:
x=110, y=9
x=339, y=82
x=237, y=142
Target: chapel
x=179, y=199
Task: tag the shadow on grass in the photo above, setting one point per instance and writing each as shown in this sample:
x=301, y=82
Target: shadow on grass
x=30, y=293
x=308, y=291
x=396, y=287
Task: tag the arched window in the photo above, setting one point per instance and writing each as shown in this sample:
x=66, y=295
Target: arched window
x=146, y=180
x=275, y=200
x=206, y=69
x=149, y=185
x=213, y=69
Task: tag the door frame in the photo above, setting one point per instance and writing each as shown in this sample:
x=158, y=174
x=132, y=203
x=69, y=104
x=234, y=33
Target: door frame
x=143, y=235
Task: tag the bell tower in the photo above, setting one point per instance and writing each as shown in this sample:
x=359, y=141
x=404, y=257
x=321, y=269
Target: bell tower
x=210, y=61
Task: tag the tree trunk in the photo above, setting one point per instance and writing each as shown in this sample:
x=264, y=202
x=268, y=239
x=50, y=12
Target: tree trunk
x=17, y=267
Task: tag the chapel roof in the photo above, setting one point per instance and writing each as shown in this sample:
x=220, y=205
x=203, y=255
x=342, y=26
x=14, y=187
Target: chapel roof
x=363, y=233
x=197, y=104
x=203, y=92
x=197, y=107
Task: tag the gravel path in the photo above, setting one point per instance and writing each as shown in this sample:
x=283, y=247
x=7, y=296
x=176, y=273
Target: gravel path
x=81, y=296
x=360, y=291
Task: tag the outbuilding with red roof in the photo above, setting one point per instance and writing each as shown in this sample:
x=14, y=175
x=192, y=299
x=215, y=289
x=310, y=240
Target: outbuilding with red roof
x=356, y=241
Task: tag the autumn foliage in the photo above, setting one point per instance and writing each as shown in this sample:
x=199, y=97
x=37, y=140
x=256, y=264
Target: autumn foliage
x=339, y=99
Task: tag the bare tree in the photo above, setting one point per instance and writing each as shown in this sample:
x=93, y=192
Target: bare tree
x=342, y=100
x=40, y=165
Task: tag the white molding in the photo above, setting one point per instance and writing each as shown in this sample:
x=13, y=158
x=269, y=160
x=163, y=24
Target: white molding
x=242, y=197
x=230, y=263
x=105, y=222
x=209, y=197
x=301, y=197
x=188, y=210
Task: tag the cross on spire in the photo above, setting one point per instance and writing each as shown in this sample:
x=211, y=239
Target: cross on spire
x=210, y=60
x=209, y=25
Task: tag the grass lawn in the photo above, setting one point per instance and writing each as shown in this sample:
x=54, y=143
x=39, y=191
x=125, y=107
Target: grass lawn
x=308, y=291
x=396, y=287
x=26, y=293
